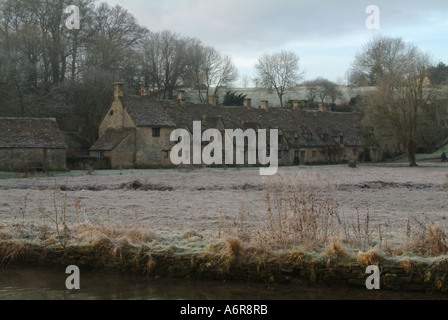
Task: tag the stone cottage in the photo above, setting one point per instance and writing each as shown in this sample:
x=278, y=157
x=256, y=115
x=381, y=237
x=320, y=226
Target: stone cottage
x=136, y=130
x=31, y=144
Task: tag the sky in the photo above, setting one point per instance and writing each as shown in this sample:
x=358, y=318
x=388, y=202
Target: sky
x=325, y=34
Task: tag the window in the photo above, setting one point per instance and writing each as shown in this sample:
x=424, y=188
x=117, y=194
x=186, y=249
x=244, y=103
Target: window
x=314, y=154
x=308, y=136
x=101, y=154
x=156, y=132
x=325, y=137
x=296, y=141
x=111, y=112
x=166, y=154
x=341, y=139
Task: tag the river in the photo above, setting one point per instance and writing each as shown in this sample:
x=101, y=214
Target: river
x=49, y=284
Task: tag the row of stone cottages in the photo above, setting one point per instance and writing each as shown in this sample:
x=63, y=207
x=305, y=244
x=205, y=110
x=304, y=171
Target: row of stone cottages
x=135, y=133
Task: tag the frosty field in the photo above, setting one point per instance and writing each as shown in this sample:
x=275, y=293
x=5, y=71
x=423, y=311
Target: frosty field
x=216, y=202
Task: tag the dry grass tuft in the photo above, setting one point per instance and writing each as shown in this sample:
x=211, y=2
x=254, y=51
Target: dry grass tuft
x=427, y=239
x=296, y=256
x=6, y=234
x=234, y=246
x=11, y=252
x=437, y=240
x=94, y=232
x=335, y=248
x=139, y=235
x=297, y=215
x=371, y=257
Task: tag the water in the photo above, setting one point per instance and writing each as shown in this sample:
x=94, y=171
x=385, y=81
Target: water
x=49, y=284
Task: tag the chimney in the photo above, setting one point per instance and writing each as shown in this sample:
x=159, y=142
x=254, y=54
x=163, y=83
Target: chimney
x=264, y=105
x=295, y=104
x=118, y=89
x=180, y=95
x=247, y=103
x=212, y=100
x=144, y=90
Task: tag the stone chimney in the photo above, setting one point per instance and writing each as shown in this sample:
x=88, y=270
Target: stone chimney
x=118, y=89
x=264, y=105
x=180, y=95
x=144, y=90
x=247, y=103
x=212, y=100
x=296, y=104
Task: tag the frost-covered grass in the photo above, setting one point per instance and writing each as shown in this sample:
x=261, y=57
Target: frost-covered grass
x=392, y=208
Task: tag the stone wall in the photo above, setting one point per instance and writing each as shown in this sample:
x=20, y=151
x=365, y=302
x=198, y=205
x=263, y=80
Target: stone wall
x=153, y=151
x=123, y=155
x=116, y=118
x=407, y=274
x=15, y=159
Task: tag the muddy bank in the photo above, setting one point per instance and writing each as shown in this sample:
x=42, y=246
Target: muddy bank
x=228, y=261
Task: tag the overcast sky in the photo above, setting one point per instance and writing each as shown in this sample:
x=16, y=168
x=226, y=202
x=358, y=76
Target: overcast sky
x=326, y=34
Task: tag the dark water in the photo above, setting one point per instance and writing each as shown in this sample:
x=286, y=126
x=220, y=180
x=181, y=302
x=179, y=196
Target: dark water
x=45, y=284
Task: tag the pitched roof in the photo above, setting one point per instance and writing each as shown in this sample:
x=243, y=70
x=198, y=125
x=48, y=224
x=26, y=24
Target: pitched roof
x=110, y=139
x=146, y=111
x=30, y=133
x=288, y=120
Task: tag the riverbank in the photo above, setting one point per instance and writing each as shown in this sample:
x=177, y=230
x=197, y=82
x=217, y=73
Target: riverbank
x=226, y=260
x=306, y=225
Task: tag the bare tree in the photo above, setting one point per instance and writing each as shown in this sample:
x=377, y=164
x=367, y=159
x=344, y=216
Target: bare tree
x=246, y=81
x=207, y=69
x=225, y=74
x=399, y=105
x=312, y=88
x=377, y=60
x=151, y=62
x=278, y=71
x=174, y=61
x=195, y=76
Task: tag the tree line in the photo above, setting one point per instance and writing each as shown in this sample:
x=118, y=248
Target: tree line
x=47, y=68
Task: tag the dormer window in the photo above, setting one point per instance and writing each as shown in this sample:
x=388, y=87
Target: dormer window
x=308, y=136
x=341, y=139
x=325, y=137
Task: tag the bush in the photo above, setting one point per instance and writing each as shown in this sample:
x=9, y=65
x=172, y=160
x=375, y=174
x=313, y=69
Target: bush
x=234, y=99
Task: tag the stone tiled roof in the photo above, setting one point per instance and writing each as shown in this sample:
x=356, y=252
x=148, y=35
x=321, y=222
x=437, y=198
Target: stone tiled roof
x=289, y=121
x=110, y=139
x=30, y=133
x=314, y=129
x=147, y=111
